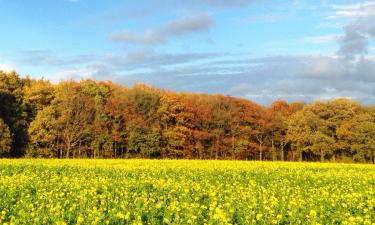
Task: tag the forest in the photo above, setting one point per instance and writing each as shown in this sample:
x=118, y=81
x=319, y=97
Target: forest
x=91, y=119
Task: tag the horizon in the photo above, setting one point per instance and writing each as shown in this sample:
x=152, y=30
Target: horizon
x=294, y=50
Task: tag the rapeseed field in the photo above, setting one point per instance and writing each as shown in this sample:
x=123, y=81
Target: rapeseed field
x=184, y=192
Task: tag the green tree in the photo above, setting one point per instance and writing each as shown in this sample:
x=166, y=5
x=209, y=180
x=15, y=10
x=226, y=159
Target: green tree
x=298, y=133
x=174, y=142
x=144, y=142
x=44, y=134
x=335, y=113
x=363, y=137
x=308, y=134
x=321, y=144
x=146, y=101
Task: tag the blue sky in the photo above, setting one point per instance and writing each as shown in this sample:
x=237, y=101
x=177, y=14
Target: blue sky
x=258, y=49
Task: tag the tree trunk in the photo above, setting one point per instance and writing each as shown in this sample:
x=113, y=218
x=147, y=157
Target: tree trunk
x=115, y=149
x=260, y=151
x=233, y=150
x=68, y=150
x=217, y=148
x=282, y=152
x=321, y=156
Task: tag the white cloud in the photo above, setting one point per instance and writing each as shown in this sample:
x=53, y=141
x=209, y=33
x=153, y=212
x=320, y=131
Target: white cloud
x=360, y=28
x=358, y=10
x=6, y=67
x=162, y=34
x=322, y=39
x=50, y=58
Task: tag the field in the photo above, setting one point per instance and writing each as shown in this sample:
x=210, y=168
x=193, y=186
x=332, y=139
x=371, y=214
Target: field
x=184, y=192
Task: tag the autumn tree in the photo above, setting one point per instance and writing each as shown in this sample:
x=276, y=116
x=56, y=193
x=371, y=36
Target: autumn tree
x=122, y=114
x=38, y=94
x=44, y=134
x=143, y=142
x=302, y=128
x=360, y=133
x=146, y=102
x=104, y=120
x=280, y=112
x=13, y=110
x=5, y=138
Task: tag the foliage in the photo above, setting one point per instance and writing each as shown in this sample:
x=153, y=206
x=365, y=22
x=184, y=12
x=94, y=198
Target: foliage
x=14, y=111
x=144, y=142
x=5, y=138
x=90, y=119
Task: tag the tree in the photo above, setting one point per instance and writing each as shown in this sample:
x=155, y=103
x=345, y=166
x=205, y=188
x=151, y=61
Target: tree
x=146, y=102
x=120, y=112
x=280, y=112
x=44, y=136
x=263, y=130
x=334, y=113
x=13, y=110
x=5, y=138
x=144, y=142
x=241, y=147
x=323, y=128
x=362, y=137
x=321, y=144
x=38, y=94
x=170, y=110
x=174, y=142
x=301, y=129
x=102, y=119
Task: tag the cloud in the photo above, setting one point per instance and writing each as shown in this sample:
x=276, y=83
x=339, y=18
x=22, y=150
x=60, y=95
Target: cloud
x=329, y=38
x=49, y=58
x=359, y=31
x=162, y=34
x=262, y=79
x=75, y=73
x=353, y=43
x=147, y=58
x=349, y=72
x=6, y=67
x=108, y=66
x=358, y=10
x=219, y=3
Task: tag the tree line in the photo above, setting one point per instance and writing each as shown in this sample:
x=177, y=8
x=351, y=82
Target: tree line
x=90, y=119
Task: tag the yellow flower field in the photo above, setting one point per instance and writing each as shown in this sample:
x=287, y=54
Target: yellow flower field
x=184, y=192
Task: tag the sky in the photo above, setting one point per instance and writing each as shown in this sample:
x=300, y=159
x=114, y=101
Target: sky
x=261, y=50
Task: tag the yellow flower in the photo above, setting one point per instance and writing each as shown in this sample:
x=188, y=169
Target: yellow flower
x=120, y=215
x=79, y=219
x=259, y=216
x=60, y=223
x=313, y=213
